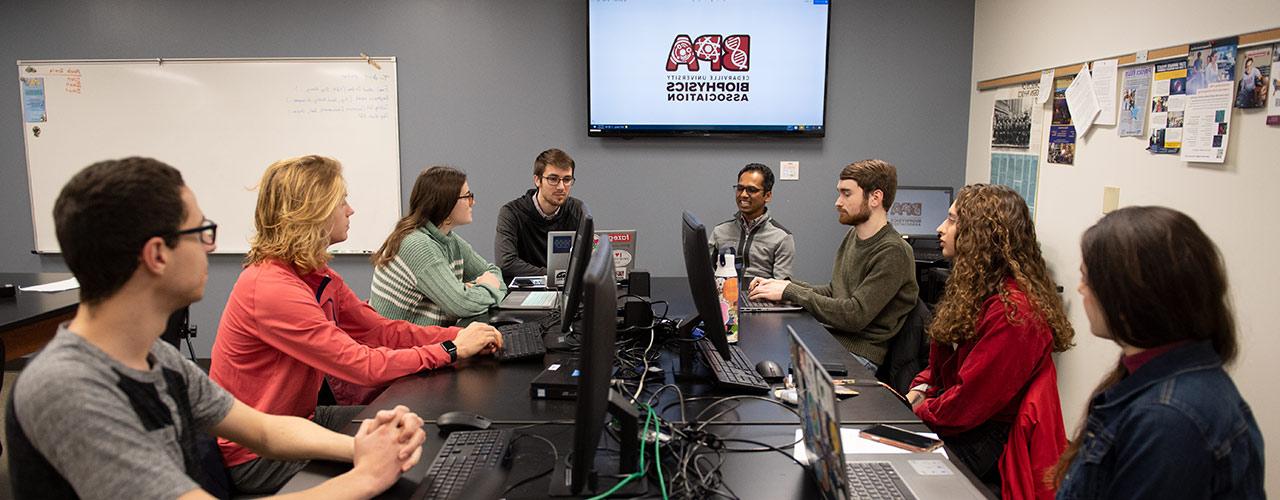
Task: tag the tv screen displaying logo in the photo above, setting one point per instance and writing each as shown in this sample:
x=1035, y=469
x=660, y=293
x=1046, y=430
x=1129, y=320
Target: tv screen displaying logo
x=729, y=66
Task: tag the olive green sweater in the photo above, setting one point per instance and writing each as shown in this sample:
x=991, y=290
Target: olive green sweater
x=872, y=289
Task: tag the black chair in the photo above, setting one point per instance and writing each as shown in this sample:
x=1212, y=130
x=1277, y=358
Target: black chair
x=908, y=350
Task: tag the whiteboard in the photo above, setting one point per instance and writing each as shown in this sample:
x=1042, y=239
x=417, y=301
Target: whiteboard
x=221, y=122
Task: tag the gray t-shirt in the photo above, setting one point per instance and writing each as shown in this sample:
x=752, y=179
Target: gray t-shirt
x=95, y=420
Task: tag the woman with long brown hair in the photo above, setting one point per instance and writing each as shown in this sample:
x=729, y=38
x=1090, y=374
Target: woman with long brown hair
x=999, y=320
x=1167, y=422
x=427, y=274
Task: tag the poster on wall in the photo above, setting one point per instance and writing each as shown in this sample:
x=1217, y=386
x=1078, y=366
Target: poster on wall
x=1062, y=133
x=1020, y=172
x=1134, y=93
x=1206, y=123
x=1016, y=119
x=1168, y=103
x=1104, y=87
x=1255, y=77
x=1273, y=100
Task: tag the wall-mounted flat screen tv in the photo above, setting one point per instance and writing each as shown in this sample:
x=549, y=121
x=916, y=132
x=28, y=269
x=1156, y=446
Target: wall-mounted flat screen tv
x=707, y=67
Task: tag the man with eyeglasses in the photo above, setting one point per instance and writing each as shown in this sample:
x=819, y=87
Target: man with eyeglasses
x=763, y=248
x=107, y=410
x=523, y=223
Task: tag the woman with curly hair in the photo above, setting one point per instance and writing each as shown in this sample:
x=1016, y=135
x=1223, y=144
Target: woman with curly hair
x=999, y=320
x=1167, y=422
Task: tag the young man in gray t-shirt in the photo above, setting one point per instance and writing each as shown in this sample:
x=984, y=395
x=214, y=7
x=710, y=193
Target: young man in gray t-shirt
x=107, y=410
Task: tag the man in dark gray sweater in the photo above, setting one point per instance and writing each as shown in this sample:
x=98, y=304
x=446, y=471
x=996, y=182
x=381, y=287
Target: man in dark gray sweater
x=873, y=285
x=523, y=223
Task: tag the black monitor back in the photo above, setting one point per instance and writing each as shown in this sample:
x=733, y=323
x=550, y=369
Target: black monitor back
x=596, y=362
x=702, y=284
x=578, y=256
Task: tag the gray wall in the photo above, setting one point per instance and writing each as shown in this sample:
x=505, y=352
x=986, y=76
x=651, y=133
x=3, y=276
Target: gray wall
x=487, y=85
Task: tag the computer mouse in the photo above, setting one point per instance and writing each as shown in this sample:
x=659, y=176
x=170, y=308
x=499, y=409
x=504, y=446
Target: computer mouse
x=461, y=421
x=769, y=370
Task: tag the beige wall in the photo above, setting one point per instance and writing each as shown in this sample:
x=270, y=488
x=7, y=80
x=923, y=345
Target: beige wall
x=1237, y=203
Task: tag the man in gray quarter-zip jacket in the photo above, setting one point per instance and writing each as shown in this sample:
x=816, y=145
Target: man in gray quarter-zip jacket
x=764, y=248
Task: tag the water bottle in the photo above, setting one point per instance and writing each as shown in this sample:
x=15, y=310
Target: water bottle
x=727, y=291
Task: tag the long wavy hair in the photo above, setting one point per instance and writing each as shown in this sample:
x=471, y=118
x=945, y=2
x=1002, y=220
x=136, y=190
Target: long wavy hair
x=1158, y=279
x=434, y=195
x=296, y=198
x=995, y=240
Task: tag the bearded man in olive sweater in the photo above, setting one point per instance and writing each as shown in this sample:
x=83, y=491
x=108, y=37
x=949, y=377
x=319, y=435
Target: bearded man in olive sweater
x=523, y=223
x=873, y=286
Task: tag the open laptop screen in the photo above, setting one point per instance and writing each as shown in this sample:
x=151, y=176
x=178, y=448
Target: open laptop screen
x=820, y=420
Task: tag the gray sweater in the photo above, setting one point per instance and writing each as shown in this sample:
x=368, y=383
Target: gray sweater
x=872, y=289
x=768, y=248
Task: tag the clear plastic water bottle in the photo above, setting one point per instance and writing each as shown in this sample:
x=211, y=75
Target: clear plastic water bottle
x=727, y=290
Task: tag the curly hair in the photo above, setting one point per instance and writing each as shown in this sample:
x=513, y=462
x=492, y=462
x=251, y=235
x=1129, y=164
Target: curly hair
x=995, y=240
x=296, y=198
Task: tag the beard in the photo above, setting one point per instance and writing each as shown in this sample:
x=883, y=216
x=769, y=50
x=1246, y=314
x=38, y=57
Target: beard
x=861, y=216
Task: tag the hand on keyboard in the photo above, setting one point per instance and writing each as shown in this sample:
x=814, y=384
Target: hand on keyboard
x=477, y=338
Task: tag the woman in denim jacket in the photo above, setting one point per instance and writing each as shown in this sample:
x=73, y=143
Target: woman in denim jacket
x=1167, y=422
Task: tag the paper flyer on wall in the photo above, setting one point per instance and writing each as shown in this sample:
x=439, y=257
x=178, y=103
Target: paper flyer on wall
x=1082, y=101
x=1104, y=87
x=1209, y=96
x=33, y=110
x=1255, y=77
x=1168, y=103
x=1062, y=134
x=1020, y=172
x=1273, y=100
x=1016, y=119
x=1134, y=94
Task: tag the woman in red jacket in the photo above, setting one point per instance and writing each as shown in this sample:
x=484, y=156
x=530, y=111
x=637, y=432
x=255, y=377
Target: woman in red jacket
x=291, y=320
x=995, y=327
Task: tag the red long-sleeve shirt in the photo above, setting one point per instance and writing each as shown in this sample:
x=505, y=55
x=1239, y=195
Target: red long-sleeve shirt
x=282, y=331
x=984, y=378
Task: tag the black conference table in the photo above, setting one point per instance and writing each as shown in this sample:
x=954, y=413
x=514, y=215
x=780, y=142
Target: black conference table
x=30, y=319
x=500, y=392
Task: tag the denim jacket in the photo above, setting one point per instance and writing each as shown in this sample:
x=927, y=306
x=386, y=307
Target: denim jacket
x=1175, y=428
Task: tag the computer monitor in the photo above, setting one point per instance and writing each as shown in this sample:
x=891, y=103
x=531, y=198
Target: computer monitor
x=596, y=361
x=917, y=211
x=577, y=265
x=702, y=284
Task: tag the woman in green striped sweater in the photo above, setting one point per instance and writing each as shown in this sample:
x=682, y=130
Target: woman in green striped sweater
x=426, y=274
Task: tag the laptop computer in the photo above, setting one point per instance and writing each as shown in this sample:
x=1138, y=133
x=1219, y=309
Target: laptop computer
x=840, y=476
x=560, y=243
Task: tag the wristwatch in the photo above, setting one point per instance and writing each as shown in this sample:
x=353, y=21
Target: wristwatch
x=452, y=349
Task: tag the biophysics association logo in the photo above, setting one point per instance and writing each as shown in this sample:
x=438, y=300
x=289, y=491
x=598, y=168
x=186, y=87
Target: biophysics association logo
x=685, y=60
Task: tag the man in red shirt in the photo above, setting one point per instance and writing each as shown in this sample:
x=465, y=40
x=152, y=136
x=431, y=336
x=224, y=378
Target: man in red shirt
x=291, y=320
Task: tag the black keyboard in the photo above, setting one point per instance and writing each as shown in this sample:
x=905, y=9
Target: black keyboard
x=875, y=480
x=521, y=340
x=464, y=453
x=736, y=373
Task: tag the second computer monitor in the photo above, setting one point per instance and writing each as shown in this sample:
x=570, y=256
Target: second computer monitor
x=577, y=265
x=702, y=284
x=917, y=211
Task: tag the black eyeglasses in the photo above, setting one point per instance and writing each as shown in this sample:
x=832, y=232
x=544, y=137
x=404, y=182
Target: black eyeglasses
x=738, y=188
x=207, y=232
x=470, y=197
x=556, y=180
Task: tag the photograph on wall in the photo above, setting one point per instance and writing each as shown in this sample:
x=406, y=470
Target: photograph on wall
x=1210, y=63
x=1062, y=145
x=1168, y=93
x=1208, y=103
x=1011, y=123
x=1134, y=94
x=33, y=110
x=1255, y=77
x=1273, y=100
x=1017, y=119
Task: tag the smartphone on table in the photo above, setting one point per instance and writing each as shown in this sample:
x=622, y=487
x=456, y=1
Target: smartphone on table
x=901, y=438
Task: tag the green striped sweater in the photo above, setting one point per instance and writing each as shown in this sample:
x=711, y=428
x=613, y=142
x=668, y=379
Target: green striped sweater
x=426, y=281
